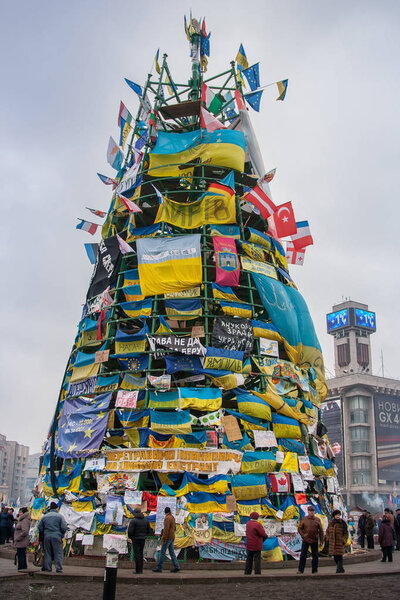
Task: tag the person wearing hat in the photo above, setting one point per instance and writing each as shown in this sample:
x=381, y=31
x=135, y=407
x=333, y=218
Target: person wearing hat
x=397, y=528
x=138, y=530
x=336, y=535
x=310, y=530
x=255, y=536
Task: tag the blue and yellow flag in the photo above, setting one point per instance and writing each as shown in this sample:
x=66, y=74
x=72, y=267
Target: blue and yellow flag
x=286, y=427
x=174, y=153
x=171, y=422
x=169, y=264
x=258, y=462
x=133, y=418
x=204, y=399
x=290, y=315
x=203, y=502
x=249, y=486
x=165, y=400
x=282, y=88
x=140, y=308
x=271, y=550
x=254, y=406
x=218, y=484
x=182, y=308
x=158, y=68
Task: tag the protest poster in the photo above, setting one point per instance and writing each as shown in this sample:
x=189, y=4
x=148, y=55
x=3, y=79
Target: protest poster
x=115, y=541
x=162, y=503
x=264, y=439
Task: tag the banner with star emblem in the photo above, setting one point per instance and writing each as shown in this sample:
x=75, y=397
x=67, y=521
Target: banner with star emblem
x=82, y=426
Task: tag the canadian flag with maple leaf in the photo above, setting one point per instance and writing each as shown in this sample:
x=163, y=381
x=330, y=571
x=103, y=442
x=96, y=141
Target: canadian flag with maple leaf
x=280, y=482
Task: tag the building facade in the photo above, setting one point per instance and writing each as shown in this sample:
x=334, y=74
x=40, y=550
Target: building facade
x=365, y=429
x=13, y=465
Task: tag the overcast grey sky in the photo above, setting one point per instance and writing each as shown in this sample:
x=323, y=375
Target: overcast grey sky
x=334, y=142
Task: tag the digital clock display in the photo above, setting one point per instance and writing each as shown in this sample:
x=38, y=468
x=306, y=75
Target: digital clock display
x=337, y=319
x=364, y=318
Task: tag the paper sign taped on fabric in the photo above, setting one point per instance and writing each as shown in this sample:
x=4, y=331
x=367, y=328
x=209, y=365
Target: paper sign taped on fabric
x=169, y=264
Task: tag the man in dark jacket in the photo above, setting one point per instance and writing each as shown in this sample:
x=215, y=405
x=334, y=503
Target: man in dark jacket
x=361, y=528
x=397, y=528
x=369, y=530
x=311, y=531
x=52, y=528
x=167, y=539
x=385, y=539
x=138, y=530
x=255, y=535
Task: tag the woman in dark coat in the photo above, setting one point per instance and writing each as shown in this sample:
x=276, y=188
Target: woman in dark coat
x=21, y=537
x=337, y=535
x=385, y=539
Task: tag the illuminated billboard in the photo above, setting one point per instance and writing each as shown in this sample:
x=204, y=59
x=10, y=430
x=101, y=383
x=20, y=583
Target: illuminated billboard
x=387, y=431
x=337, y=319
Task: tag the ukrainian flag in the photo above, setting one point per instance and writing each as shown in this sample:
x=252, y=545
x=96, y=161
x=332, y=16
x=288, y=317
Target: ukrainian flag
x=268, y=509
x=218, y=484
x=171, y=422
x=169, y=264
x=249, y=422
x=287, y=445
x=132, y=418
x=317, y=466
x=106, y=384
x=260, y=238
x=286, y=427
x=280, y=404
x=132, y=293
x=246, y=507
x=130, y=382
x=84, y=504
x=204, y=399
x=225, y=531
x=266, y=330
x=242, y=445
x=183, y=308
x=258, y=462
x=289, y=313
x=236, y=310
x=174, y=153
x=165, y=400
x=249, y=486
x=38, y=508
x=203, y=502
x=271, y=551
x=290, y=509
x=254, y=406
x=196, y=439
x=141, y=308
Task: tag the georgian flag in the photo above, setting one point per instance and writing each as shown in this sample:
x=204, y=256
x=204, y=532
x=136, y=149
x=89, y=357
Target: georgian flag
x=293, y=256
x=303, y=237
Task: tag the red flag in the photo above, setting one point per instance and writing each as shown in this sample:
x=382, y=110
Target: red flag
x=284, y=220
x=261, y=200
x=226, y=261
x=293, y=256
x=300, y=499
x=280, y=482
x=239, y=100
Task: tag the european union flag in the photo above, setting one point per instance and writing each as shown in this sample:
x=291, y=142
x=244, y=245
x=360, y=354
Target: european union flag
x=252, y=75
x=254, y=99
x=82, y=425
x=182, y=363
x=134, y=363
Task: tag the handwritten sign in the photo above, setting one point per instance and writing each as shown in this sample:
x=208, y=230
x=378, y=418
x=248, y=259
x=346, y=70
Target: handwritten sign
x=101, y=356
x=162, y=503
x=126, y=399
x=269, y=347
x=231, y=427
x=264, y=439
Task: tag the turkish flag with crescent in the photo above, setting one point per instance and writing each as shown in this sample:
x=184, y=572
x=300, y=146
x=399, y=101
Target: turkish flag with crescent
x=284, y=220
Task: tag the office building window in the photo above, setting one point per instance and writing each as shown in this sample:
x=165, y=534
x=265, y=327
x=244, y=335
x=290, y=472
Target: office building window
x=361, y=468
x=359, y=409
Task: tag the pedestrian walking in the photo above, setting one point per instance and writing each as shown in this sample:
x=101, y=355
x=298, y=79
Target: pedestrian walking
x=361, y=528
x=167, y=539
x=21, y=537
x=52, y=528
x=310, y=530
x=385, y=539
x=369, y=530
x=397, y=528
x=138, y=530
x=336, y=535
x=255, y=536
